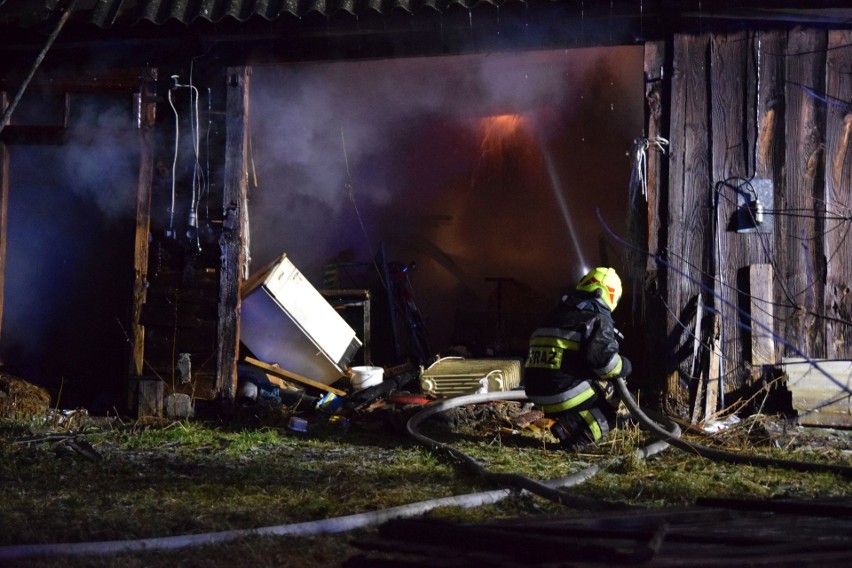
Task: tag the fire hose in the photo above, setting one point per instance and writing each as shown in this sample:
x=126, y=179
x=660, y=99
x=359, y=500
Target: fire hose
x=716, y=454
x=347, y=522
x=665, y=437
x=547, y=489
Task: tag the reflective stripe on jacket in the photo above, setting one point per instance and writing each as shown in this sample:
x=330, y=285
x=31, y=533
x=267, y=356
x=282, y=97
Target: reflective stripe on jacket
x=576, y=342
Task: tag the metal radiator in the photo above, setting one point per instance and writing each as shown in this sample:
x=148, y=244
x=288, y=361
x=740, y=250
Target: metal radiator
x=456, y=376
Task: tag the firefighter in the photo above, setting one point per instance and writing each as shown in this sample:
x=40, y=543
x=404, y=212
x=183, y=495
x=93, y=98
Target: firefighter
x=573, y=359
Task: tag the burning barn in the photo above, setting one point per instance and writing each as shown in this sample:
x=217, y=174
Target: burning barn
x=472, y=159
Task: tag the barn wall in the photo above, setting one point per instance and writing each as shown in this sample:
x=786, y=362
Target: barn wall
x=838, y=189
x=738, y=296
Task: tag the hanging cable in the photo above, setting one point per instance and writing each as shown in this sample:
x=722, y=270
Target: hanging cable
x=197, y=175
x=351, y=196
x=175, y=159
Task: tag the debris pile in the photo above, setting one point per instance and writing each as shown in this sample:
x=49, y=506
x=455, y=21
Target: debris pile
x=20, y=400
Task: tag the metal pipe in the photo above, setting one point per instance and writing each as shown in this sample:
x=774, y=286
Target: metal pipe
x=7, y=114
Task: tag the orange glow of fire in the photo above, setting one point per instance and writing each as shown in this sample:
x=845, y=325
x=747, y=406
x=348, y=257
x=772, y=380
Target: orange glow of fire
x=498, y=130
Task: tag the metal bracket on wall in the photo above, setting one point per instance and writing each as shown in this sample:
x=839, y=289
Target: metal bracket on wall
x=755, y=203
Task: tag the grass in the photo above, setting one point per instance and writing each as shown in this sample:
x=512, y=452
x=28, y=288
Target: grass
x=191, y=477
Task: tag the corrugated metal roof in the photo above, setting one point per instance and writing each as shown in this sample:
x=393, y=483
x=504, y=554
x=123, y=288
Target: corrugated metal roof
x=107, y=13
x=110, y=14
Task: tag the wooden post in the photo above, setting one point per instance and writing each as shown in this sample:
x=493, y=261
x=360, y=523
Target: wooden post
x=697, y=373
x=233, y=239
x=146, y=108
x=656, y=94
x=714, y=371
x=151, y=398
x=4, y=206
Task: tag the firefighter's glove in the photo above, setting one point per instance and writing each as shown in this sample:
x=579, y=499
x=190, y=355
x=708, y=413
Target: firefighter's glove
x=626, y=368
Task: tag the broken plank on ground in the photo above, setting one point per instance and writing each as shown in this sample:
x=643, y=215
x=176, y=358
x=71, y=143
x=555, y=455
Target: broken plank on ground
x=278, y=371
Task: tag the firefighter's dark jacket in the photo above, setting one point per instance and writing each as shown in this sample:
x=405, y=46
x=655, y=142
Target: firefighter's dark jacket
x=576, y=341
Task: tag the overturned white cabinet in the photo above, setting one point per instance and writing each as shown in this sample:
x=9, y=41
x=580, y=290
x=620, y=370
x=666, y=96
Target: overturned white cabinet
x=286, y=321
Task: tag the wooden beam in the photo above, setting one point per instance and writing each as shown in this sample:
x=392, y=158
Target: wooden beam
x=278, y=371
x=233, y=239
x=146, y=117
x=4, y=206
x=687, y=226
x=656, y=79
x=657, y=74
x=711, y=395
x=762, y=317
x=70, y=79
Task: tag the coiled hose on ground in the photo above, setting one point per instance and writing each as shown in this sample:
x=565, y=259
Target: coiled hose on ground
x=715, y=454
x=337, y=524
x=548, y=489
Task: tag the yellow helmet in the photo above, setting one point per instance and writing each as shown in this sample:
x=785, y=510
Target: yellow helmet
x=607, y=281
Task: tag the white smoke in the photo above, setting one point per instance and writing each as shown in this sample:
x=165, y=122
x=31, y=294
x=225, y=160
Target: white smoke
x=100, y=161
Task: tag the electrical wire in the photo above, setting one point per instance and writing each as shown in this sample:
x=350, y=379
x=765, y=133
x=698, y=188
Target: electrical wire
x=746, y=317
x=197, y=183
x=174, y=161
x=351, y=196
x=791, y=305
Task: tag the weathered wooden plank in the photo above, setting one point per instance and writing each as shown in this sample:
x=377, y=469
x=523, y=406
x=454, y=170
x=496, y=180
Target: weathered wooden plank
x=729, y=55
x=770, y=104
x=687, y=220
x=821, y=395
x=714, y=371
x=760, y=279
x=657, y=81
x=838, y=196
x=150, y=398
x=771, y=148
x=656, y=78
x=146, y=119
x=742, y=145
x=276, y=370
x=803, y=233
x=234, y=202
x=4, y=206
